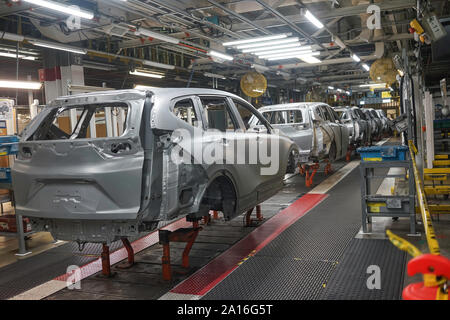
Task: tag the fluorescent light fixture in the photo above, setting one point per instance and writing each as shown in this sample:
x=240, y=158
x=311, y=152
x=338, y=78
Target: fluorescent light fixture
x=156, y=35
x=339, y=90
x=13, y=55
x=158, y=65
x=309, y=59
x=62, y=8
x=331, y=88
x=143, y=87
x=362, y=102
x=99, y=66
x=288, y=54
x=313, y=20
x=283, y=46
x=366, y=67
x=145, y=73
x=281, y=51
x=213, y=75
x=11, y=36
x=220, y=55
x=373, y=85
x=347, y=93
x=356, y=58
x=267, y=43
x=387, y=100
x=253, y=40
x=27, y=85
x=260, y=68
x=58, y=46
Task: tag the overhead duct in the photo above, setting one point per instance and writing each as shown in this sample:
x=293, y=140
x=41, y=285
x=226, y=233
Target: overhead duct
x=377, y=54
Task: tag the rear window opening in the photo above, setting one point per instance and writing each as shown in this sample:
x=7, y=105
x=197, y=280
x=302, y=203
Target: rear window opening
x=80, y=122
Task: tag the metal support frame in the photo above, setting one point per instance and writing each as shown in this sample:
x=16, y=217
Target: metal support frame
x=248, y=216
x=130, y=252
x=106, y=263
x=187, y=235
x=367, y=170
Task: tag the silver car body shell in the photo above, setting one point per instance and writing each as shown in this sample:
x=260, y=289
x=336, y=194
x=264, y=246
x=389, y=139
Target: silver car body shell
x=79, y=190
x=313, y=139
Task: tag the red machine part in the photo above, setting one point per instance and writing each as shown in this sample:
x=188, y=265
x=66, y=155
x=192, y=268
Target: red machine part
x=436, y=266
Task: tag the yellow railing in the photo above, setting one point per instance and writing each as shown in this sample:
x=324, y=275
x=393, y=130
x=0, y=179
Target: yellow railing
x=433, y=244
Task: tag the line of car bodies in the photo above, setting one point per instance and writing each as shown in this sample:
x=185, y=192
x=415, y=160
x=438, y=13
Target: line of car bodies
x=86, y=183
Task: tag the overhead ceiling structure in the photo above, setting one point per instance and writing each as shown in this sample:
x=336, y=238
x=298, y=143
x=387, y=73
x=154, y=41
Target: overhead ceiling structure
x=293, y=42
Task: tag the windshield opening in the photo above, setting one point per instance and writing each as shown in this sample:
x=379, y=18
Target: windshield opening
x=80, y=122
x=284, y=117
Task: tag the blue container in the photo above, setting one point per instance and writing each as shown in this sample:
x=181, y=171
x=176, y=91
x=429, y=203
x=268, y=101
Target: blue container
x=383, y=153
x=9, y=145
x=5, y=175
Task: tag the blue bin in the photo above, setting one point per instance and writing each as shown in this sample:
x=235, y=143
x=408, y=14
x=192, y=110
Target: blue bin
x=383, y=153
x=9, y=145
x=5, y=175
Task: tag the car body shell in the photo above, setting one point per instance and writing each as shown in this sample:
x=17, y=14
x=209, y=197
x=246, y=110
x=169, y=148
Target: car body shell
x=365, y=126
x=83, y=189
x=355, y=125
x=317, y=132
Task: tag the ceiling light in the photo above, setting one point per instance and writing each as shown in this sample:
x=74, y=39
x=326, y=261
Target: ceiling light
x=158, y=65
x=13, y=55
x=267, y=43
x=288, y=55
x=309, y=59
x=28, y=85
x=356, y=58
x=373, y=85
x=99, y=66
x=313, y=20
x=283, y=46
x=366, y=67
x=253, y=40
x=281, y=51
x=331, y=88
x=156, y=35
x=213, y=75
x=259, y=68
x=339, y=90
x=58, y=46
x=62, y=8
x=11, y=36
x=347, y=93
x=220, y=55
x=145, y=73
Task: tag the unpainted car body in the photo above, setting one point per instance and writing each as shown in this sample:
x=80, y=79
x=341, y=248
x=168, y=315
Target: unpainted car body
x=355, y=125
x=365, y=126
x=314, y=127
x=373, y=123
x=103, y=188
x=384, y=120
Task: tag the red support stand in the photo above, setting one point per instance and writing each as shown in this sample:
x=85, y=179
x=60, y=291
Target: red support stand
x=301, y=170
x=249, y=220
x=328, y=168
x=216, y=214
x=106, y=264
x=130, y=251
x=309, y=176
x=187, y=235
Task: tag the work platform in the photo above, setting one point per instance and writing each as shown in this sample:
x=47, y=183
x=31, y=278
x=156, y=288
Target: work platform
x=307, y=247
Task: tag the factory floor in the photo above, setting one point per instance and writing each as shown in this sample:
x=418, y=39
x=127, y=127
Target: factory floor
x=309, y=246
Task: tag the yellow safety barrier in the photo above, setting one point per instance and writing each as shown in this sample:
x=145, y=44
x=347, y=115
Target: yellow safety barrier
x=433, y=245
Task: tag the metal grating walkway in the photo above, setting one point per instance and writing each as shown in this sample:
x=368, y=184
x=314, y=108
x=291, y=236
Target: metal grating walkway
x=315, y=257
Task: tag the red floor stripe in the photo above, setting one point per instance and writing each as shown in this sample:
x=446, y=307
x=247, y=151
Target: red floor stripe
x=121, y=254
x=214, y=272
